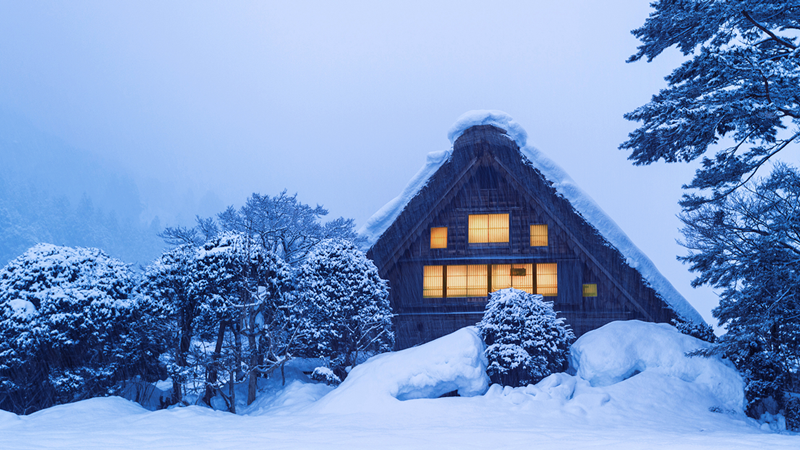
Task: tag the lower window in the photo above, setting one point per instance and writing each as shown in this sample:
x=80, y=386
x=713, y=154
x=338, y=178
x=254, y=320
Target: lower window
x=478, y=280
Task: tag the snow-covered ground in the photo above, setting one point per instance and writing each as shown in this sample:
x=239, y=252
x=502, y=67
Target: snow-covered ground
x=632, y=388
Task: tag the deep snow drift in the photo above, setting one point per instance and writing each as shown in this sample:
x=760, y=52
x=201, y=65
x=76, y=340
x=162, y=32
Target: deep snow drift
x=632, y=388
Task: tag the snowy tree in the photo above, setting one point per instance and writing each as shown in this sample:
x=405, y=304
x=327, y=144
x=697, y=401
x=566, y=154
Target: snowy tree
x=748, y=246
x=525, y=341
x=742, y=82
x=242, y=287
x=284, y=225
x=281, y=224
x=170, y=282
x=343, y=307
x=69, y=328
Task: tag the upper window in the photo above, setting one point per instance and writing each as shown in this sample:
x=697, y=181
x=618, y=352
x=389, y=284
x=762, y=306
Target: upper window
x=488, y=228
x=439, y=237
x=538, y=235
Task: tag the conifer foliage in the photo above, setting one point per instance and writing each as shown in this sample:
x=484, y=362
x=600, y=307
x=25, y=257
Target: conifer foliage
x=69, y=328
x=344, y=309
x=748, y=246
x=742, y=81
x=525, y=341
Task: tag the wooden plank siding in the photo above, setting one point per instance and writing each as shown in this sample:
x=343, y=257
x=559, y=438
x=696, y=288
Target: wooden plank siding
x=486, y=174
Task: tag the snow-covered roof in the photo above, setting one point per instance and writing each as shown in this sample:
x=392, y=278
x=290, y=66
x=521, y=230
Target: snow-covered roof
x=564, y=186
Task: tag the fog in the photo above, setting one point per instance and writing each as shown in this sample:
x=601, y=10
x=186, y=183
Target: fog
x=193, y=105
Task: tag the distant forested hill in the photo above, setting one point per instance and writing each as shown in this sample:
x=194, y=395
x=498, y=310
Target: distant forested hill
x=51, y=192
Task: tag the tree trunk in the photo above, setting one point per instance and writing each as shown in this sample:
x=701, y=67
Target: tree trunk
x=255, y=351
x=233, y=392
x=211, y=374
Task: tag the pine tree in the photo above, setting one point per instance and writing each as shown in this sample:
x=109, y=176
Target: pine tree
x=343, y=308
x=742, y=81
x=525, y=341
x=748, y=246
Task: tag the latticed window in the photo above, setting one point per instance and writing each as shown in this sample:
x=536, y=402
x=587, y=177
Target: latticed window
x=433, y=282
x=488, y=228
x=477, y=280
x=439, y=237
x=547, y=280
x=590, y=290
x=538, y=235
x=467, y=281
x=517, y=276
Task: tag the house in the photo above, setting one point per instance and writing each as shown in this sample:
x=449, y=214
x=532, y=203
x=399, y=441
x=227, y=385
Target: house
x=494, y=213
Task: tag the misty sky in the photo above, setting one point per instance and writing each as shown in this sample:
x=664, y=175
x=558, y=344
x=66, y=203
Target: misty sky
x=341, y=101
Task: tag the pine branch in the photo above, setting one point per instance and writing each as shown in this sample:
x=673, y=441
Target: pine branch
x=775, y=37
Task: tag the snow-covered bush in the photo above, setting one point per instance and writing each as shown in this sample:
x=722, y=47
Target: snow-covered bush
x=325, y=375
x=69, y=328
x=525, y=341
x=343, y=306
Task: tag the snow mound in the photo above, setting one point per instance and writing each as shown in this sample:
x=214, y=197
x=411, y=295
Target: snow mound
x=621, y=350
x=455, y=362
x=488, y=117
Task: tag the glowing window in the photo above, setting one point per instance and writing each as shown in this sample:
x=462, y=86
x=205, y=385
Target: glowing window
x=522, y=277
x=590, y=290
x=486, y=228
x=547, y=280
x=432, y=281
x=439, y=237
x=456, y=281
x=538, y=235
x=477, y=281
x=518, y=276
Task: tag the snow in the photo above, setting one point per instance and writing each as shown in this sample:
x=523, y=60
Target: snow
x=488, y=117
x=564, y=186
x=450, y=363
x=666, y=405
x=22, y=308
x=620, y=350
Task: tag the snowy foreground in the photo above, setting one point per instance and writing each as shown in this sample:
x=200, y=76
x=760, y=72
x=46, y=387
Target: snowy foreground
x=633, y=388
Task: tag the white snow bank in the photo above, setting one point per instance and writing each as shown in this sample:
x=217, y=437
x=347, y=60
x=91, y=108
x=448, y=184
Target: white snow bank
x=564, y=186
x=488, y=117
x=450, y=363
x=621, y=350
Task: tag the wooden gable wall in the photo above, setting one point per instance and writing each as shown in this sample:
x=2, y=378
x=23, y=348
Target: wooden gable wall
x=485, y=175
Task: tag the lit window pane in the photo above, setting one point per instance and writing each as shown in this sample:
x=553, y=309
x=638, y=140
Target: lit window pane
x=477, y=281
x=498, y=227
x=478, y=228
x=485, y=228
x=522, y=277
x=432, y=281
x=456, y=281
x=546, y=280
x=501, y=276
x=439, y=237
x=538, y=235
x=590, y=290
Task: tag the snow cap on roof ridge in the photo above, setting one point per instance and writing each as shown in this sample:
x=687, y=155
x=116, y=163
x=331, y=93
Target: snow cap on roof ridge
x=488, y=117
